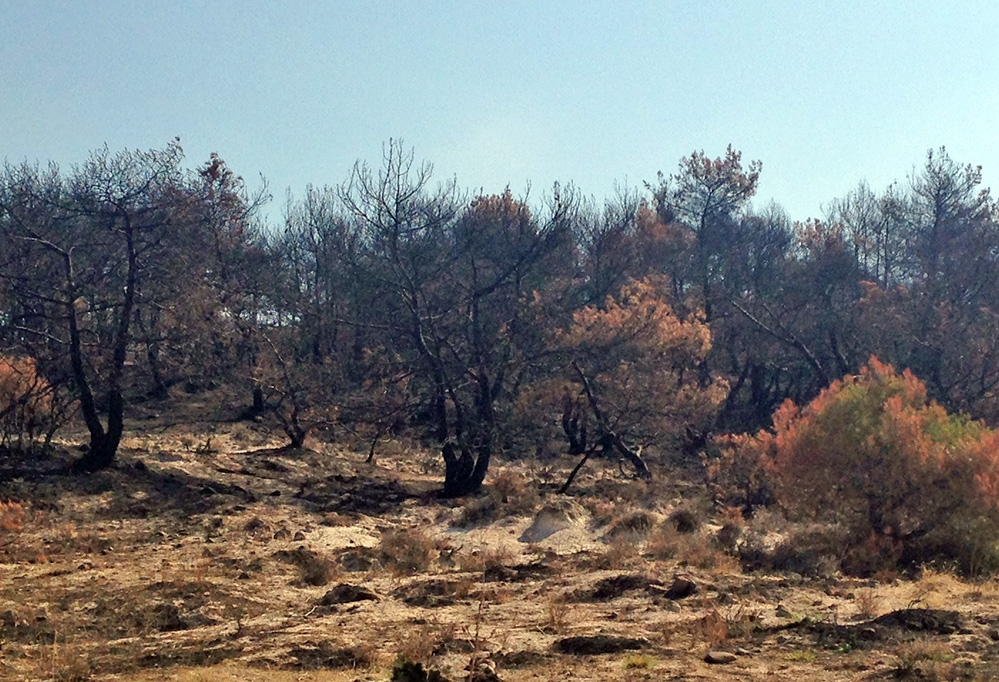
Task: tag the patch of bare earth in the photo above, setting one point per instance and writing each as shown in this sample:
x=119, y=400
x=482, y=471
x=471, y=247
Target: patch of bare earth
x=210, y=554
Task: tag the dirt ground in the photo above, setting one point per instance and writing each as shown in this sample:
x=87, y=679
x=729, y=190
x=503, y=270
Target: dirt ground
x=208, y=553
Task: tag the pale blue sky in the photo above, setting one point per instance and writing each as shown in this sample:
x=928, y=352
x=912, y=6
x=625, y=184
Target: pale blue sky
x=498, y=93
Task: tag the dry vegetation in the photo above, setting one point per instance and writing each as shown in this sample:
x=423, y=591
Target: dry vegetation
x=208, y=554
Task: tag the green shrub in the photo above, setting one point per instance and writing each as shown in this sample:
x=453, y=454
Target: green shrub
x=911, y=483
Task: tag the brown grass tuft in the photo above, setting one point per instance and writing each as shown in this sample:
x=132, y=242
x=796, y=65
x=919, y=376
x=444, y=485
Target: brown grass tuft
x=406, y=551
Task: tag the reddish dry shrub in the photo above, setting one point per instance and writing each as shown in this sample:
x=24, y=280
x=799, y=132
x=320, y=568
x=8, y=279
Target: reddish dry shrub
x=11, y=517
x=737, y=473
x=25, y=402
x=911, y=482
x=11, y=523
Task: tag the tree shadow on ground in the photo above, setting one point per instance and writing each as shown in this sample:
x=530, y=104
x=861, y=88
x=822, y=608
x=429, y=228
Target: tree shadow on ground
x=133, y=489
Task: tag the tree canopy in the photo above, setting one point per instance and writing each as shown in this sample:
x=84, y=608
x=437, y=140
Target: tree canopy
x=489, y=323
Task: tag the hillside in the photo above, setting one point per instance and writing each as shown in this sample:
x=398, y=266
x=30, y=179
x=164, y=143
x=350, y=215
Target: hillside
x=206, y=553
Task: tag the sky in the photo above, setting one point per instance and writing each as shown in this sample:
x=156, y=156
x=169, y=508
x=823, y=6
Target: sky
x=519, y=93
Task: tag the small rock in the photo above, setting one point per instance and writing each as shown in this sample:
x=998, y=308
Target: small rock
x=299, y=536
x=681, y=588
x=781, y=612
x=994, y=635
x=594, y=645
x=719, y=657
x=275, y=493
x=499, y=573
x=345, y=593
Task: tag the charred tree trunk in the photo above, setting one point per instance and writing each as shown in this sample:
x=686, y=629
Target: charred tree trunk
x=607, y=439
x=159, y=388
x=104, y=443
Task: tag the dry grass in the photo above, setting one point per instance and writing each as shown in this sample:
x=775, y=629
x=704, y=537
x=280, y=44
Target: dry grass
x=923, y=659
x=418, y=645
x=65, y=662
x=406, y=551
x=314, y=570
x=868, y=603
x=509, y=493
x=632, y=527
x=170, y=595
x=638, y=663
x=557, y=614
x=622, y=552
x=234, y=672
x=698, y=550
x=715, y=628
x=484, y=557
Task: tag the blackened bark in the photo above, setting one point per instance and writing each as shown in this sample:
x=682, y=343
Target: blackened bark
x=104, y=444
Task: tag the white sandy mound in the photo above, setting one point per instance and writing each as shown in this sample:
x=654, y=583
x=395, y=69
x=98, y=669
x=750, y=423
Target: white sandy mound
x=553, y=518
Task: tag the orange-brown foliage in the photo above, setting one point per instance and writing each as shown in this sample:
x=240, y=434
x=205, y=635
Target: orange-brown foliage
x=910, y=481
x=643, y=359
x=11, y=517
x=25, y=401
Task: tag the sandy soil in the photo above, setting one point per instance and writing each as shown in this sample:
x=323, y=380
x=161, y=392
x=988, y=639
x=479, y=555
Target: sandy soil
x=209, y=554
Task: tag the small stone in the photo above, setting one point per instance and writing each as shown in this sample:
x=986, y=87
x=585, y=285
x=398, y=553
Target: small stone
x=345, y=593
x=781, y=612
x=681, y=587
x=719, y=657
x=299, y=536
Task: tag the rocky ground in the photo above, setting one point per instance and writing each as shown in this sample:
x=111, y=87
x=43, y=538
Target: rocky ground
x=208, y=553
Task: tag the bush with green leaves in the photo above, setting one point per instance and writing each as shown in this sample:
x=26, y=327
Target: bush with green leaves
x=911, y=483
